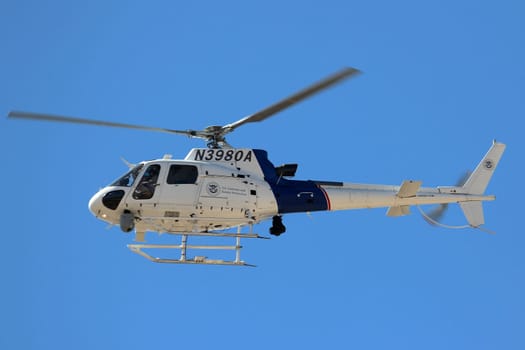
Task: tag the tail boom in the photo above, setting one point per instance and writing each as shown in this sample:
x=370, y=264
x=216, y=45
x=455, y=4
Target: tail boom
x=357, y=196
x=398, y=199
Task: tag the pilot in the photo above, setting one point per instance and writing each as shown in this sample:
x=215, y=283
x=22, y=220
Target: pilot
x=146, y=187
x=125, y=181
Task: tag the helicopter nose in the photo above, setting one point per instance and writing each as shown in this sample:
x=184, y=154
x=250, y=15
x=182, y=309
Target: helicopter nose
x=95, y=204
x=105, y=202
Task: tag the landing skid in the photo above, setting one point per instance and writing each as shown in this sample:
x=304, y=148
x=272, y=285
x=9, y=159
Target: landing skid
x=183, y=247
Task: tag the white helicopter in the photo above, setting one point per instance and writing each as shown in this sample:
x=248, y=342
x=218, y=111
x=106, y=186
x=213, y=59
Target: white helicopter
x=220, y=187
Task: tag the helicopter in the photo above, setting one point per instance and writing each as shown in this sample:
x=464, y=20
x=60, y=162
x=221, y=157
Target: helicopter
x=218, y=191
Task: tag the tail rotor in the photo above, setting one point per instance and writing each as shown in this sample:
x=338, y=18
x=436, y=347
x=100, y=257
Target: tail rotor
x=472, y=189
x=434, y=216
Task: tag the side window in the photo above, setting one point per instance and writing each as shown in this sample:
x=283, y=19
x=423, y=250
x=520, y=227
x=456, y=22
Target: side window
x=146, y=187
x=182, y=174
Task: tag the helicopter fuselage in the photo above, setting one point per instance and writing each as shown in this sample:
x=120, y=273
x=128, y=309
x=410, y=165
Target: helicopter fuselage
x=216, y=189
x=209, y=190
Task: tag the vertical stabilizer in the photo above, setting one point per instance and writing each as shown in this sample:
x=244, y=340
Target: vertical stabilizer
x=478, y=181
x=473, y=211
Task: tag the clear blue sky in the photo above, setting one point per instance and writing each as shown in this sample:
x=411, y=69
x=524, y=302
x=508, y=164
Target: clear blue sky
x=441, y=80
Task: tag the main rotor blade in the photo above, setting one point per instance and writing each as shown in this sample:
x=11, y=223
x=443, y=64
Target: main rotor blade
x=63, y=119
x=291, y=100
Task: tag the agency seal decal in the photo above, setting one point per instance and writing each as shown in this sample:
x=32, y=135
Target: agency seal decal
x=489, y=164
x=213, y=189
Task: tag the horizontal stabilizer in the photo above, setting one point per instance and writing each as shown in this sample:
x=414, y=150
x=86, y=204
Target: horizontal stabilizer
x=408, y=189
x=399, y=210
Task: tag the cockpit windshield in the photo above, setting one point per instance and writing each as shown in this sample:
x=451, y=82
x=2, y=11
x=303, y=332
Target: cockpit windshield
x=128, y=179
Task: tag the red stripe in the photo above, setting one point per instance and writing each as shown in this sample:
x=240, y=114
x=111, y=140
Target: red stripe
x=326, y=197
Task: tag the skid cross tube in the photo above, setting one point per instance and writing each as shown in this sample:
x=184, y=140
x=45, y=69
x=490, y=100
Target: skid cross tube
x=203, y=260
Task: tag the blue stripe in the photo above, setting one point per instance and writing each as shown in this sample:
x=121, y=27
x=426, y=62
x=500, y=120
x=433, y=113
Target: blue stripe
x=292, y=196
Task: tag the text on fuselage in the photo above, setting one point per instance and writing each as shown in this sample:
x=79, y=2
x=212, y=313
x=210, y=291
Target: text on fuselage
x=223, y=155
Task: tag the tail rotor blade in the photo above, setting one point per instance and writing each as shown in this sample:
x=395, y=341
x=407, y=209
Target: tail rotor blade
x=435, y=214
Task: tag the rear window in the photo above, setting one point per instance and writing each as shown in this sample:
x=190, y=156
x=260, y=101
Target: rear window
x=182, y=174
